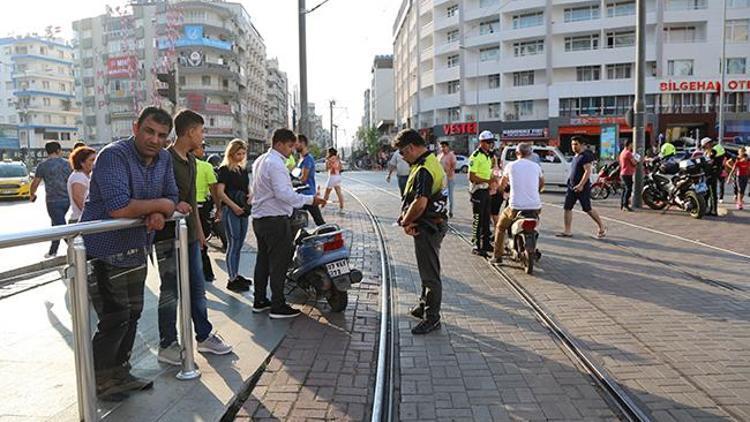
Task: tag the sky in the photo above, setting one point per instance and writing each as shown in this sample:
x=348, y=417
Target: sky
x=343, y=36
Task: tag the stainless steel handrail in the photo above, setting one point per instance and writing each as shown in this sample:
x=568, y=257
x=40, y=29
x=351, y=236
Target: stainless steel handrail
x=79, y=295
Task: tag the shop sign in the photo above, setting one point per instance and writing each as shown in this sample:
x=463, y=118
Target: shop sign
x=587, y=121
x=536, y=132
x=703, y=86
x=120, y=67
x=460, y=129
x=608, y=145
x=195, y=59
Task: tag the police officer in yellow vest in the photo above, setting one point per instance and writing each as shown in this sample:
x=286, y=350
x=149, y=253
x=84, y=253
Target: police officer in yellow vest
x=424, y=217
x=720, y=154
x=480, y=174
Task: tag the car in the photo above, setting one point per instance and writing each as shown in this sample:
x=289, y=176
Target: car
x=555, y=165
x=15, y=181
x=462, y=164
x=320, y=165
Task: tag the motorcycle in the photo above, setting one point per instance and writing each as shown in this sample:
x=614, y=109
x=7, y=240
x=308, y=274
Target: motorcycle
x=681, y=183
x=522, y=239
x=608, y=181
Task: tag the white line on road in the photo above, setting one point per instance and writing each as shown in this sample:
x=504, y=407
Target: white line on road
x=614, y=220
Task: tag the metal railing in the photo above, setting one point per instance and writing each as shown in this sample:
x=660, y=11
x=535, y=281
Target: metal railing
x=79, y=295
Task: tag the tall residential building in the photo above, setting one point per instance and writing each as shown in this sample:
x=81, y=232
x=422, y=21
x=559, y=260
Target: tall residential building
x=366, y=121
x=219, y=54
x=544, y=71
x=381, y=114
x=37, y=94
x=277, y=97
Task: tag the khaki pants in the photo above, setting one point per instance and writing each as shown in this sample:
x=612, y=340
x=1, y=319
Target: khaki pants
x=506, y=220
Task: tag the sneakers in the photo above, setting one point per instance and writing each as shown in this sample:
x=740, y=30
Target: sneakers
x=417, y=311
x=214, y=344
x=261, y=306
x=479, y=252
x=247, y=281
x=171, y=354
x=285, y=311
x=238, y=286
x=426, y=326
x=497, y=260
x=49, y=255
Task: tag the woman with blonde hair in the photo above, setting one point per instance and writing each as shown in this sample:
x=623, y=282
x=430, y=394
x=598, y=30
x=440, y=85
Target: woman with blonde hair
x=233, y=193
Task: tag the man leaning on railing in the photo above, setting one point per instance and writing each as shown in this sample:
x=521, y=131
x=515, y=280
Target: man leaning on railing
x=132, y=178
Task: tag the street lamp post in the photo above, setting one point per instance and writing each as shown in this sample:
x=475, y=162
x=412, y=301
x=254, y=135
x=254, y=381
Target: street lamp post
x=639, y=131
x=302, y=66
x=723, y=70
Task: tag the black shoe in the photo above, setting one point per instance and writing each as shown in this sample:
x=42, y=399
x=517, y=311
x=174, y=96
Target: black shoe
x=498, y=260
x=248, y=281
x=478, y=252
x=238, y=286
x=285, y=311
x=418, y=311
x=110, y=390
x=129, y=382
x=426, y=326
x=209, y=278
x=261, y=306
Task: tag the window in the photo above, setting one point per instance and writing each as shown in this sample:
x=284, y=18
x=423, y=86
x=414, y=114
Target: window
x=620, y=8
x=454, y=87
x=733, y=4
x=452, y=10
x=528, y=20
x=45, y=84
x=547, y=155
x=62, y=87
x=452, y=60
x=489, y=54
x=681, y=34
x=686, y=4
x=736, y=66
x=454, y=114
x=493, y=110
x=493, y=81
x=582, y=42
x=47, y=101
x=619, y=71
x=206, y=80
x=588, y=73
x=523, y=108
x=452, y=36
x=528, y=48
x=737, y=30
x=43, y=51
x=585, y=13
x=680, y=67
x=523, y=78
x=618, y=39
x=489, y=27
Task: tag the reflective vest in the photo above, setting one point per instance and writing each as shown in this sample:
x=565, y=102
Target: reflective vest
x=290, y=163
x=667, y=150
x=719, y=149
x=480, y=163
x=436, y=206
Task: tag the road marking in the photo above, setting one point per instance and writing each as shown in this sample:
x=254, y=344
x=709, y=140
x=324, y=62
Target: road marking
x=625, y=223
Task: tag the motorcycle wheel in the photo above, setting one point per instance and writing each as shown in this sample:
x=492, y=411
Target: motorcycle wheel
x=528, y=262
x=337, y=300
x=649, y=198
x=698, y=204
x=599, y=191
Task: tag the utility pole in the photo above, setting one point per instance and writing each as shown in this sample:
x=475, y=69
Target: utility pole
x=723, y=70
x=302, y=67
x=639, y=131
x=331, y=103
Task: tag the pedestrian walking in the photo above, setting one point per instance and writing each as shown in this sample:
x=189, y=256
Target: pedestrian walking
x=713, y=174
x=579, y=188
x=273, y=202
x=205, y=191
x=741, y=171
x=54, y=172
x=423, y=216
x=480, y=176
x=496, y=193
x=233, y=190
x=189, y=130
x=132, y=178
x=82, y=162
x=307, y=166
x=627, y=171
x=448, y=160
x=398, y=165
x=333, y=165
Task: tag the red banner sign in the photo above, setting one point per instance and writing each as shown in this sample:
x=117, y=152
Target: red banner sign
x=218, y=108
x=121, y=67
x=703, y=86
x=460, y=129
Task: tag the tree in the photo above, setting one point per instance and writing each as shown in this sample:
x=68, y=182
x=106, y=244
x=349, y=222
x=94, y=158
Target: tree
x=370, y=139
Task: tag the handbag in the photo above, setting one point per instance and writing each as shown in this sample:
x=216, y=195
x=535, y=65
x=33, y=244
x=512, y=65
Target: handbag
x=240, y=198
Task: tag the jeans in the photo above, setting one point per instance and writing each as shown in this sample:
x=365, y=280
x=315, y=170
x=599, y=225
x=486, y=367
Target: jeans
x=427, y=250
x=451, y=187
x=274, y=236
x=402, y=184
x=118, y=304
x=627, y=193
x=168, y=293
x=56, y=211
x=236, y=228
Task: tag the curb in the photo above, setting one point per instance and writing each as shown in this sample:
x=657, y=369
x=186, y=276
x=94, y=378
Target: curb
x=48, y=264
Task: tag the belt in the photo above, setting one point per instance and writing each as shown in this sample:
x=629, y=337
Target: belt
x=272, y=217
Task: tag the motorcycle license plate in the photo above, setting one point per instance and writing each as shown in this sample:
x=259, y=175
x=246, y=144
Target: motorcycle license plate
x=700, y=187
x=338, y=268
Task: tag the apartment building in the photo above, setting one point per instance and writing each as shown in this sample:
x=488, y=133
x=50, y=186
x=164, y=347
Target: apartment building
x=277, y=97
x=545, y=70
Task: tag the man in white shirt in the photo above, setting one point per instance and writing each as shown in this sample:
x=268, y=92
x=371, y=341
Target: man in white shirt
x=273, y=202
x=526, y=181
x=402, y=169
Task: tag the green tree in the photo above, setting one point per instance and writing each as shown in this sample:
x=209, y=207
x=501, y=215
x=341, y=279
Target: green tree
x=369, y=139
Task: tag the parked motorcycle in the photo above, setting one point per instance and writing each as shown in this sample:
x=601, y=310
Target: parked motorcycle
x=681, y=183
x=607, y=182
x=522, y=239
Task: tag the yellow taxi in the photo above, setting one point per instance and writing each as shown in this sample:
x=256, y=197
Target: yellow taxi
x=14, y=180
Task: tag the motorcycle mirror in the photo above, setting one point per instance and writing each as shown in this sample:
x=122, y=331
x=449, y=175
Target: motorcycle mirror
x=297, y=173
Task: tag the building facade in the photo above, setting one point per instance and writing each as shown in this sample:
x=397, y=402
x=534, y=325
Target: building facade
x=549, y=69
x=382, y=113
x=220, y=59
x=277, y=97
x=37, y=94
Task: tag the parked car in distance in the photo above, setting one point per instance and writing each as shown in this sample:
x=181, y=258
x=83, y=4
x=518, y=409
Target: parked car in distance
x=555, y=165
x=320, y=165
x=15, y=181
x=462, y=164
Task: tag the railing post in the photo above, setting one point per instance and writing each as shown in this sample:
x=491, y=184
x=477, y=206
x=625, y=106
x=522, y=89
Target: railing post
x=188, y=370
x=81, y=316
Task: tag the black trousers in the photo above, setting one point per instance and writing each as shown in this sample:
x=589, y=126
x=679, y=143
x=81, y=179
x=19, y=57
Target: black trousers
x=480, y=229
x=713, y=195
x=274, y=238
x=204, y=214
x=427, y=250
x=627, y=193
x=119, y=305
x=317, y=216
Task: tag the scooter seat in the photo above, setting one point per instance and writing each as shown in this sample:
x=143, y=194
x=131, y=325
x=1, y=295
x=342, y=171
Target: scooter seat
x=302, y=234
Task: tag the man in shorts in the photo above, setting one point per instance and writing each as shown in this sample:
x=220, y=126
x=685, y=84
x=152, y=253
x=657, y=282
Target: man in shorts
x=579, y=188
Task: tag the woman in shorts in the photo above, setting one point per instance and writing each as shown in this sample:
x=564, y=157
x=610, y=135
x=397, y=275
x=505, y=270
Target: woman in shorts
x=333, y=165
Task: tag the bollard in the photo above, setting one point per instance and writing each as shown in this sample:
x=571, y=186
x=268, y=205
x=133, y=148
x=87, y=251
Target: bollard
x=81, y=316
x=188, y=370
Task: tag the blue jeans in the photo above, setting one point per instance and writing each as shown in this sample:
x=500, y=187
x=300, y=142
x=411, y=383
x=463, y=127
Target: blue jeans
x=168, y=293
x=57, y=211
x=236, y=230
x=451, y=186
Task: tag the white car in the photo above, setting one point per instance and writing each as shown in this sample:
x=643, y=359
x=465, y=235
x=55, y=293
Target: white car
x=555, y=165
x=462, y=164
x=320, y=165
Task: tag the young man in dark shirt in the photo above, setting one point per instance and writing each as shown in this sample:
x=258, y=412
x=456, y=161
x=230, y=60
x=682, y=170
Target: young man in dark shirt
x=54, y=172
x=579, y=188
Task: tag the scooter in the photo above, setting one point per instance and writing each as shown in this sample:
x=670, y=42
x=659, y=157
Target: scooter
x=522, y=239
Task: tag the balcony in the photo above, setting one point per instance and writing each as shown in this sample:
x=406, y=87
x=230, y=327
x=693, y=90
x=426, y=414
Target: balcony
x=425, y=6
x=445, y=74
x=578, y=27
x=427, y=30
x=474, y=13
x=446, y=48
x=529, y=92
x=538, y=31
x=440, y=101
x=428, y=78
x=521, y=5
x=427, y=54
x=443, y=22
x=483, y=40
x=516, y=64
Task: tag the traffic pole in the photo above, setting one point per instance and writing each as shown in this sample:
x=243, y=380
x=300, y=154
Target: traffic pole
x=303, y=67
x=639, y=131
x=723, y=70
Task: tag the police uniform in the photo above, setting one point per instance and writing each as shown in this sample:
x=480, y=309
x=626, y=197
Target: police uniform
x=721, y=156
x=667, y=150
x=427, y=179
x=480, y=163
